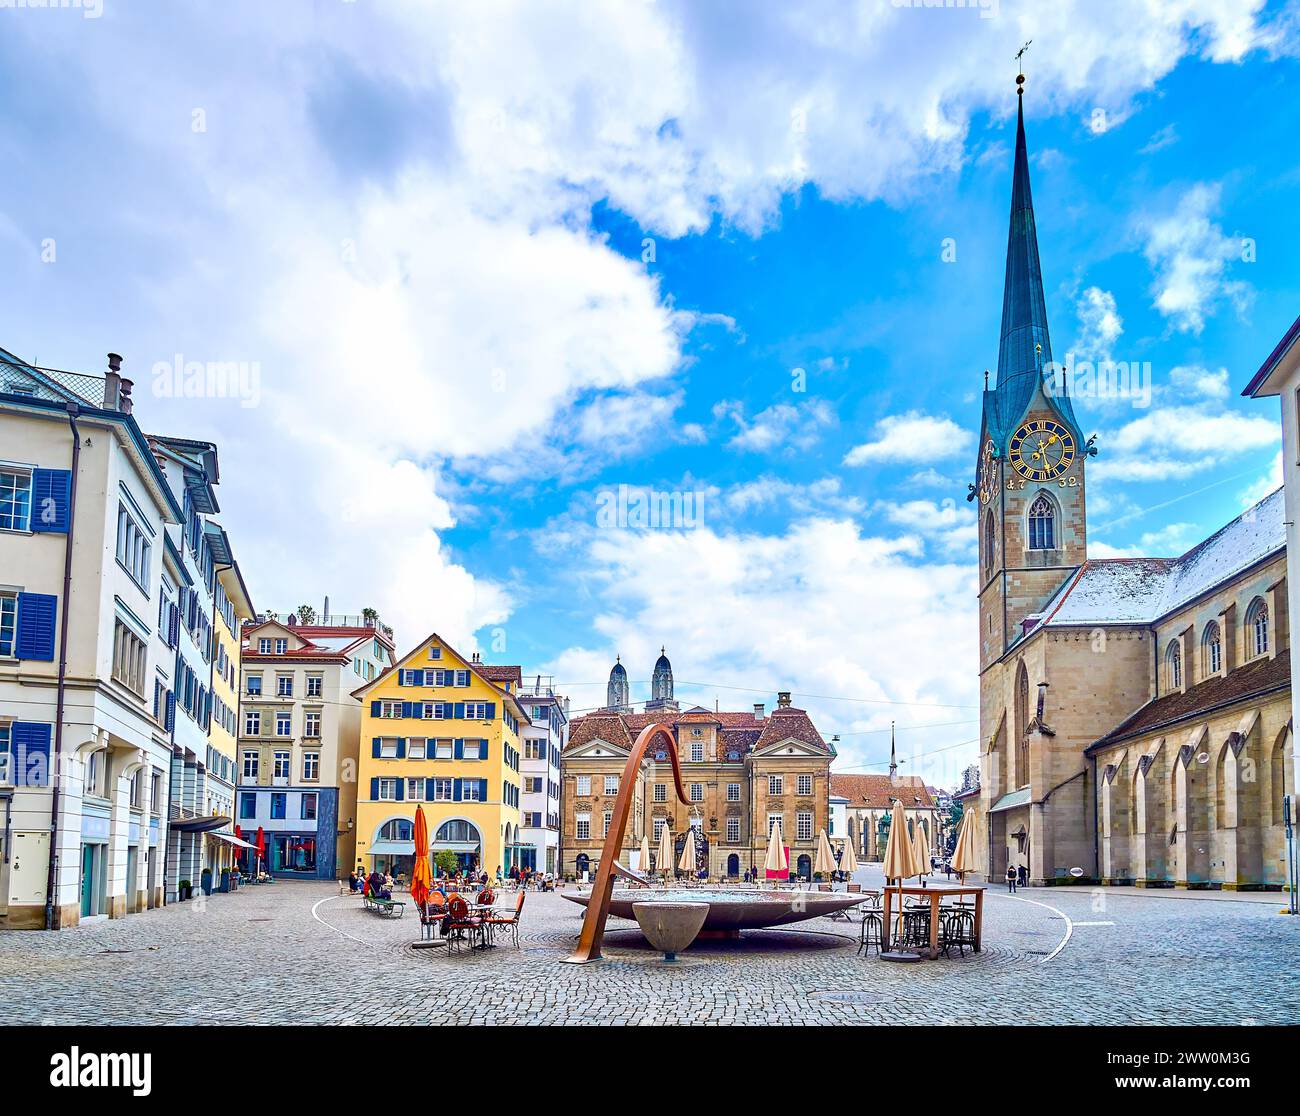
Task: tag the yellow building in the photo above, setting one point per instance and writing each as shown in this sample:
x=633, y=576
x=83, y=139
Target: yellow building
x=437, y=730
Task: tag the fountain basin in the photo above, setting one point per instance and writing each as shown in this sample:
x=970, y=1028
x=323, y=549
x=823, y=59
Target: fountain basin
x=732, y=911
x=670, y=927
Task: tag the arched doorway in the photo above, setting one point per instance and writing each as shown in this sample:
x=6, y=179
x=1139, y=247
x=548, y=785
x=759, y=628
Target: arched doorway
x=582, y=863
x=462, y=838
x=803, y=866
x=393, y=850
x=733, y=865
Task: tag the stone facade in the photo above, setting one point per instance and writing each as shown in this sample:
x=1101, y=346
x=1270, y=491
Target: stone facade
x=871, y=798
x=742, y=771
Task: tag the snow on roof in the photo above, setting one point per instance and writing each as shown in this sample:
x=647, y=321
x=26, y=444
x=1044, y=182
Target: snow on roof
x=1141, y=590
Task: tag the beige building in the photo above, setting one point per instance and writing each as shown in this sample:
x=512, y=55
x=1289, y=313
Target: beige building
x=743, y=771
x=870, y=800
x=299, y=734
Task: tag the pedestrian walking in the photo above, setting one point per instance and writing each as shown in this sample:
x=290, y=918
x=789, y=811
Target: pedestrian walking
x=1011, y=879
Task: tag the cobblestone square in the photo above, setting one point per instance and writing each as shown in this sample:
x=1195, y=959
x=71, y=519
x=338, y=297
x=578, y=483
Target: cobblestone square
x=299, y=953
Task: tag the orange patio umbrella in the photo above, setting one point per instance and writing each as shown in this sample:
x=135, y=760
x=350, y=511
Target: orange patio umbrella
x=421, y=876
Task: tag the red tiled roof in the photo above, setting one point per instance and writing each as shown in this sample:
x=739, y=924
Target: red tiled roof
x=735, y=727
x=878, y=792
x=500, y=673
x=1256, y=679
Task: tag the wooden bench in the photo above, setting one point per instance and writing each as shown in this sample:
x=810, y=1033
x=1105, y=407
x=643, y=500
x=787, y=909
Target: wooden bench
x=386, y=907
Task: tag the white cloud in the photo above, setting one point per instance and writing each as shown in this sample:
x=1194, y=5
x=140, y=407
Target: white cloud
x=1189, y=254
x=948, y=525
x=1100, y=325
x=1172, y=443
x=1170, y=541
x=1194, y=380
x=914, y=438
x=781, y=426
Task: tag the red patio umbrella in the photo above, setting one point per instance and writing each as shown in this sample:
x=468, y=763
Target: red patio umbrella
x=239, y=853
x=260, y=842
x=420, y=874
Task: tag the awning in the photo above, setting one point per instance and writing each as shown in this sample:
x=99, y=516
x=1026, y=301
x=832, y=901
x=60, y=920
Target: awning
x=393, y=848
x=199, y=825
x=231, y=840
x=1010, y=801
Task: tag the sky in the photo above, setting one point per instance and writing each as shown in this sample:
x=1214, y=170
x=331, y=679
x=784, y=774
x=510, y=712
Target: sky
x=455, y=288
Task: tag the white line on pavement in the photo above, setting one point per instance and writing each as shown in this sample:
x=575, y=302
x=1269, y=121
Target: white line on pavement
x=336, y=930
x=1069, y=926
x=1094, y=924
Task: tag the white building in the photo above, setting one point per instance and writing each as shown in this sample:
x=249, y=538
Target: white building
x=1279, y=376
x=544, y=738
x=85, y=680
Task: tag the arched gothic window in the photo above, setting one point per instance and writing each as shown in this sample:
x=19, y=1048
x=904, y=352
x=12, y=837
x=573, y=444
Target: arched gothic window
x=1212, y=649
x=1042, y=523
x=990, y=545
x=1257, y=628
x=1021, y=773
x=1174, y=664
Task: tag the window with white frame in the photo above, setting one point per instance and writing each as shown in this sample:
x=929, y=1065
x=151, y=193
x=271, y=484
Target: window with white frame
x=1042, y=523
x=1257, y=628
x=133, y=547
x=611, y=784
x=388, y=747
x=15, y=500
x=609, y=818
x=310, y=767
x=476, y=711
x=251, y=762
x=311, y=724
x=253, y=683
x=804, y=825
x=263, y=646
x=284, y=685
x=129, y=655
x=661, y=792
x=435, y=653
x=472, y=749
x=315, y=685
x=155, y=793
x=8, y=623
x=697, y=751
x=283, y=722
x=445, y=749
x=414, y=790
x=804, y=784
x=281, y=646
x=776, y=784
x=584, y=786
x=773, y=820
x=696, y=792
x=442, y=790
x=733, y=792
x=582, y=826
x=471, y=790
x=280, y=768
x=415, y=748
x=252, y=722
x=95, y=774
x=390, y=709
x=388, y=790
x=733, y=829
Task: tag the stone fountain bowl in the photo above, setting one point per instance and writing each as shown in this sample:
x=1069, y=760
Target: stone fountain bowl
x=730, y=911
x=670, y=927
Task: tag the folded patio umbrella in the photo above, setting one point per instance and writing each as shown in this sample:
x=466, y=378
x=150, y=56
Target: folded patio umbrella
x=849, y=861
x=963, y=853
x=824, y=861
x=922, y=849
x=644, y=866
x=900, y=854
x=260, y=844
x=665, y=851
x=687, y=862
x=421, y=876
x=776, y=859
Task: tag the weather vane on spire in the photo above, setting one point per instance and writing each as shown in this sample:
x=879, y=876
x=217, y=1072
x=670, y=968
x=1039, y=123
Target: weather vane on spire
x=1020, y=77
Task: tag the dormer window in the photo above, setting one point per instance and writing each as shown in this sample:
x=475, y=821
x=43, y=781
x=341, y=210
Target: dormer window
x=1042, y=523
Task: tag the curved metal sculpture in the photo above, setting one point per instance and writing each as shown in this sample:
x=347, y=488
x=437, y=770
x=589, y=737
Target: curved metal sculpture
x=593, y=924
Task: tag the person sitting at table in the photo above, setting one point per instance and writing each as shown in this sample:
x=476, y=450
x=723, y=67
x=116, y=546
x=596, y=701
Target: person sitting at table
x=377, y=890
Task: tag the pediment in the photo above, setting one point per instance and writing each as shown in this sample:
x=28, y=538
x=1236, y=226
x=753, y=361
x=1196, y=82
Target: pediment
x=789, y=748
x=598, y=749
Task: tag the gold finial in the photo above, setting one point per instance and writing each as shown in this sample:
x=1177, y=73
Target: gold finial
x=1020, y=77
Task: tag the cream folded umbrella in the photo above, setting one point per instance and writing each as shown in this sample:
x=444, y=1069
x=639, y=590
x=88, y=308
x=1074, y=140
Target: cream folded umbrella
x=687, y=863
x=643, y=864
x=963, y=853
x=922, y=850
x=665, y=851
x=824, y=861
x=849, y=860
x=776, y=859
x=900, y=854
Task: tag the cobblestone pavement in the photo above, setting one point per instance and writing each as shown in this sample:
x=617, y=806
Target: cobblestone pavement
x=300, y=953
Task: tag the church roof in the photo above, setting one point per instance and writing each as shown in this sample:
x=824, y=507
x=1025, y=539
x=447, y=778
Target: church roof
x=743, y=729
x=1143, y=590
x=1024, y=312
x=878, y=792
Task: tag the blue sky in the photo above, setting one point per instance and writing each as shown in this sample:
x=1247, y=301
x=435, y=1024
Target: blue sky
x=426, y=228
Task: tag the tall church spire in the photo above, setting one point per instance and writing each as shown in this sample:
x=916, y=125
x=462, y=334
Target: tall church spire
x=1025, y=350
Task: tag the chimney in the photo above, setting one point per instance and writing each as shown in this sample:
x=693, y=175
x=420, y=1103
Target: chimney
x=124, y=396
x=112, y=382
x=783, y=699
x=758, y=710
x=476, y=657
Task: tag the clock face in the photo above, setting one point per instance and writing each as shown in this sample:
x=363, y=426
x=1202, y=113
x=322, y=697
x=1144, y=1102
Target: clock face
x=988, y=478
x=1042, y=450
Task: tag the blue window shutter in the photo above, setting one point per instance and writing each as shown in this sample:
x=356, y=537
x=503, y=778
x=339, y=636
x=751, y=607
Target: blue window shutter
x=374, y=748
x=374, y=708
x=424, y=677
x=428, y=790
x=35, y=635
x=460, y=711
x=455, y=790
x=30, y=741
x=482, y=749
x=401, y=677
x=401, y=747
x=458, y=748
x=171, y=711
x=482, y=790
x=491, y=711
x=51, y=500
x=401, y=786
x=374, y=789
x=407, y=706
x=541, y=750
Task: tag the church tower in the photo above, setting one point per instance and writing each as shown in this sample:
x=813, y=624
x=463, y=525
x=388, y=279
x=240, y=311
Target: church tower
x=617, y=695
x=1029, y=478
x=661, y=686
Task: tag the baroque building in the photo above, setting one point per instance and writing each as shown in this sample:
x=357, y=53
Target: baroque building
x=744, y=773
x=1135, y=712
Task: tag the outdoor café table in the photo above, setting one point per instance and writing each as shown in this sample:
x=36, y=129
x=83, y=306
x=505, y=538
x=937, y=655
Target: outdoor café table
x=934, y=893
